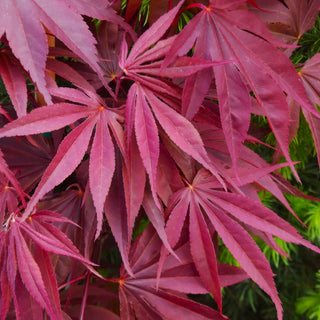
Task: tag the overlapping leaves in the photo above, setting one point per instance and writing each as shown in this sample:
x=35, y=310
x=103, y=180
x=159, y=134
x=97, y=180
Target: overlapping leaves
x=225, y=32
x=202, y=180
x=27, y=263
x=73, y=148
x=228, y=214
x=147, y=299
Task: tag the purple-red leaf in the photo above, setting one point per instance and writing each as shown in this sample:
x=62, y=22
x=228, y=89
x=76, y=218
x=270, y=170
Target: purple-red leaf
x=203, y=252
x=69, y=155
x=311, y=79
x=30, y=272
x=134, y=180
x=226, y=28
x=246, y=252
x=116, y=214
x=147, y=137
x=152, y=35
x=101, y=166
x=28, y=39
x=15, y=83
x=180, y=131
x=156, y=217
x=139, y=295
x=256, y=215
x=51, y=239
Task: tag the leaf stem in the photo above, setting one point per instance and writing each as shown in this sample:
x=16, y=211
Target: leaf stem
x=195, y=5
x=85, y=296
x=72, y=281
x=117, y=89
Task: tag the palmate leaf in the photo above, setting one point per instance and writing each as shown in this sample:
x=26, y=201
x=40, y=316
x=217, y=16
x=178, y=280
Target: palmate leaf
x=147, y=89
x=143, y=63
x=227, y=212
x=141, y=100
x=30, y=266
x=73, y=148
x=136, y=66
x=28, y=40
x=253, y=171
x=230, y=29
x=288, y=21
x=140, y=296
x=71, y=151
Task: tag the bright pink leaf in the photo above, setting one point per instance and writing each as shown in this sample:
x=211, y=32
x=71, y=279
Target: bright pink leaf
x=45, y=119
x=51, y=239
x=27, y=39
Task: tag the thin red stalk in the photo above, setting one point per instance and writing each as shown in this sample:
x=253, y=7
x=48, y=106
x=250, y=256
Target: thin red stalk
x=195, y=5
x=254, y=4
x=3, y=112
x=117, y=89
x=112, y=280
x=85, y=296
x=72, y=281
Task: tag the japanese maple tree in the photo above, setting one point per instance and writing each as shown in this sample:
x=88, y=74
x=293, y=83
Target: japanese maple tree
x=133, y=138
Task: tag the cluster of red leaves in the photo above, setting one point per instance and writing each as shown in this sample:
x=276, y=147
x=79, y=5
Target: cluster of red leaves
x=151, y=124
